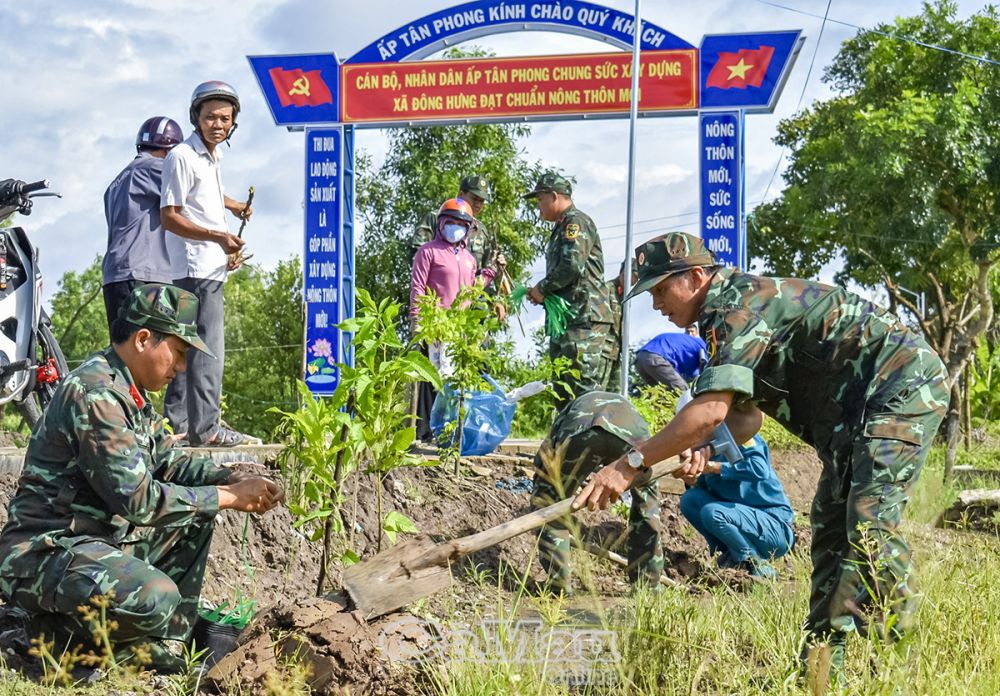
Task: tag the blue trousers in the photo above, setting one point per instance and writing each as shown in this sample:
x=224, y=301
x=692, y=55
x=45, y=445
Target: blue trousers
x=740, y=531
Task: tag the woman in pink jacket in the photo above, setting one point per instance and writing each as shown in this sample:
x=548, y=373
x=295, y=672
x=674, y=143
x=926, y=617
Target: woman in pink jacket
x=442, y=266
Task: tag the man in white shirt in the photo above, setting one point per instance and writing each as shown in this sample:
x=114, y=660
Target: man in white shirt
x=202, y=252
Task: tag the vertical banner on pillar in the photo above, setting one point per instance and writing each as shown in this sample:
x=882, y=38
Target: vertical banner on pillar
x=721, y=152
x=322, y=258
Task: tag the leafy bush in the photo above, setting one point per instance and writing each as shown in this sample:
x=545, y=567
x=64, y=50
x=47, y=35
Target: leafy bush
x=656, y=404
x=777, y=438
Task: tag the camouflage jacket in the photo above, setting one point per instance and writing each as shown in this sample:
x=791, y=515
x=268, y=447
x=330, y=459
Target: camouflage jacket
x=574, y=268
x=613, y=289
x=99, y=464
x=478, y=243
x=611, y=412
x=818, y=359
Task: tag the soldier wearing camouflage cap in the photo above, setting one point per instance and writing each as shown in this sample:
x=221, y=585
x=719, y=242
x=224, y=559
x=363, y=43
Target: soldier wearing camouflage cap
x=837, y=371
x=107, y=506
x=475, y=190
x=593, y=430
x=574, y=271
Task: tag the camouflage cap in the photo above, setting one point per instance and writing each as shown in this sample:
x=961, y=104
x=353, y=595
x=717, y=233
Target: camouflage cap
x=665, y=255
x=551, y=182
x=477, y=185
x=167, y=309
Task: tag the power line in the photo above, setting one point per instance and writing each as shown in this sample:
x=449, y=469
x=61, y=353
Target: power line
x=887, y=34
x=819, y=40
x=228, y=350
x=681, y=228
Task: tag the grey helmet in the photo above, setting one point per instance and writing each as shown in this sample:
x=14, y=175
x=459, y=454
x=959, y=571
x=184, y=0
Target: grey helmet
x=214, y=89
x=158, y=133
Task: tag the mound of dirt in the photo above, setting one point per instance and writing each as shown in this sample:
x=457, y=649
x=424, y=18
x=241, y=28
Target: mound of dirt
x=265, y=557
x=342, y=653
x=799, y=471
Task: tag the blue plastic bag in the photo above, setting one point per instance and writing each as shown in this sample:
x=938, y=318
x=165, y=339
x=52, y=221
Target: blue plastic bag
x=488, y=417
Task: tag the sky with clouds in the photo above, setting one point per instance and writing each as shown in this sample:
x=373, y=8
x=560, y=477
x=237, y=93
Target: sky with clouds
x=79, y=78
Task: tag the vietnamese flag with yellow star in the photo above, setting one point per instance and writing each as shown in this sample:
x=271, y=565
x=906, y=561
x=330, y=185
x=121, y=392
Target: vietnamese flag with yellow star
x=745, y=68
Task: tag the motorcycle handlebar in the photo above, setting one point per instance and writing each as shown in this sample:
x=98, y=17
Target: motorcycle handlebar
x=15, y=196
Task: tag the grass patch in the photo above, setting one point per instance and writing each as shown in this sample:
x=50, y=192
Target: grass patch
x=729, y=642
x=724, y=641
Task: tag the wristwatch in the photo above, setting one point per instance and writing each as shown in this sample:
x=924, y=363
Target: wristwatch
x=635, y=459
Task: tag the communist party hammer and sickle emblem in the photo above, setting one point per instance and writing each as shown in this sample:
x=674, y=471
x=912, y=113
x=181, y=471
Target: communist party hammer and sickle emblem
x=300, y=87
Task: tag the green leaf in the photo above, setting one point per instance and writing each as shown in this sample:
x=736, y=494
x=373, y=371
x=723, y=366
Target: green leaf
x=349, y=558
x=397, y=523
x=402, y=440
x=422, y=368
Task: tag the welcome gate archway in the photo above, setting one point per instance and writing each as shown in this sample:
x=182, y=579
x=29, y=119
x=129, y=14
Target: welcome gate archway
x=386, y=84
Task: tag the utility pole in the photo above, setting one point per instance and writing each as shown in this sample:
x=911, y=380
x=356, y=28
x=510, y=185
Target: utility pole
x=630, y=204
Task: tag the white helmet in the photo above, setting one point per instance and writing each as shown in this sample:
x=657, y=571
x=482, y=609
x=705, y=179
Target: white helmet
x=214, y=89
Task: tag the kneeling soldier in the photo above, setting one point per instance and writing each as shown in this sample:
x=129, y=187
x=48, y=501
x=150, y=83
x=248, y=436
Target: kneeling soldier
x=594, y=430
x=106, y=506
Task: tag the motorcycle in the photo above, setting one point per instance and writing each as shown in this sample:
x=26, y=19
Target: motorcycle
x=31, y=362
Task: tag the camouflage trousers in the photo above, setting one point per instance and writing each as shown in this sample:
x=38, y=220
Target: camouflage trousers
x=586, y=350
x=153, y=579
x=612, y=353
x=559, y=471
x=862, y=571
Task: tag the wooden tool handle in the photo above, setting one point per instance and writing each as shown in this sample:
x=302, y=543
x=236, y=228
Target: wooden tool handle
x=524, y=523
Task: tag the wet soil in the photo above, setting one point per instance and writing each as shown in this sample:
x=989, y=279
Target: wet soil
x=342, y=652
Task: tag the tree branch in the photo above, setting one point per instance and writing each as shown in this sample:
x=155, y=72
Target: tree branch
x=944, y=314
x=79, y=310
x=901, y=299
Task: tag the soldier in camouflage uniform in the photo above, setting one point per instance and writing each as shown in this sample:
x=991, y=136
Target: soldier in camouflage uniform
x=591, y=431
x=106, y=506
x=574, y=271
x=840, y=373
x=476, y=191
x=615, y=290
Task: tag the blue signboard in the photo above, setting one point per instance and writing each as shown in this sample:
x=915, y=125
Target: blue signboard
x=300, y=89
x=322, y=257
x=720, y=144
x=746, y=71
x=484, y=17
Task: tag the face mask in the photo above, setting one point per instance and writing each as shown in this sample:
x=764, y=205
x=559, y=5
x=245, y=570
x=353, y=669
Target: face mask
x=454, y=233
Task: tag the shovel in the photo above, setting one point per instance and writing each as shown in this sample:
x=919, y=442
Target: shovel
x=420, y=567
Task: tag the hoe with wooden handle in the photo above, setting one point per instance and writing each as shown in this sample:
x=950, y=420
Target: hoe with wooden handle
x=420, y=567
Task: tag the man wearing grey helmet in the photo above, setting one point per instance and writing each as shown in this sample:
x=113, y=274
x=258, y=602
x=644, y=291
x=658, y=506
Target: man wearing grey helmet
x=202, y=251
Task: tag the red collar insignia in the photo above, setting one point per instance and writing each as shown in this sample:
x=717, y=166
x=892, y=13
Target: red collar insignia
x=136, y=396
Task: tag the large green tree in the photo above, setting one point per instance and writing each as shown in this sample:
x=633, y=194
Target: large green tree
x=898, y=176
x=423, y=168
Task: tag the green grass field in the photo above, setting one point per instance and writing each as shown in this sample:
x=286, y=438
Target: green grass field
x=722, y=640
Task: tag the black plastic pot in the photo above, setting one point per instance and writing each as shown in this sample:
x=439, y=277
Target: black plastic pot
x=218, y=639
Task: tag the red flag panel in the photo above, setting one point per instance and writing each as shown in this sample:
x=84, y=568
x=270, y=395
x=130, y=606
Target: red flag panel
x=300, y=87
x=593, y=83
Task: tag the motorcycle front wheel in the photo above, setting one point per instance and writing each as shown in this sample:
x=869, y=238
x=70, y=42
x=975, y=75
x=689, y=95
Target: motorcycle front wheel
x=46, y=346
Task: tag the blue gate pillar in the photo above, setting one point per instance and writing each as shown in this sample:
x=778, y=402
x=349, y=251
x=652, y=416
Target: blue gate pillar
x=347, y=285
